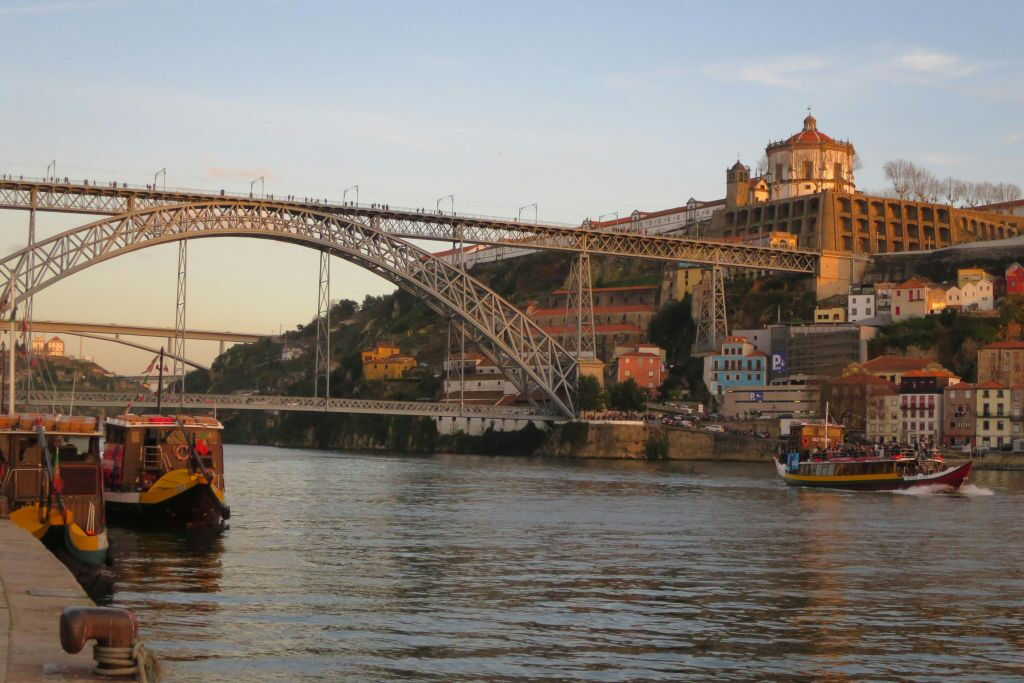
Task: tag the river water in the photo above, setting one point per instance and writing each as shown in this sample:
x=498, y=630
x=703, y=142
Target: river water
x=379, y=567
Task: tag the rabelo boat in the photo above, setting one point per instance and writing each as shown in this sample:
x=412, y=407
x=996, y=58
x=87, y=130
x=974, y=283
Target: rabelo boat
x=50, y=477
x=165, y=471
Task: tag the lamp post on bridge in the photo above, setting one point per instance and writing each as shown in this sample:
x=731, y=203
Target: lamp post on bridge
x=263, y=190
x=450, y=197
x=345, y=193
x=161, y=172
x=613, y=213
x=53, y=165
x=522, y=208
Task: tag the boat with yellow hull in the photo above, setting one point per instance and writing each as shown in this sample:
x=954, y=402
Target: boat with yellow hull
x=50, y=476
x=817, y=456
x=165, y=472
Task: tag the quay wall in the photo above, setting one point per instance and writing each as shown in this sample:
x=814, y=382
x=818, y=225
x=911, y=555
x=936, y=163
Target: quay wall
x=34, y=588
x=639, y=441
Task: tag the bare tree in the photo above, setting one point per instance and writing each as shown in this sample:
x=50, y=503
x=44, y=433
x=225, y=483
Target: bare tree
x=952, y=189
x=762, y=166
x=898, y=172
x=1007, y=192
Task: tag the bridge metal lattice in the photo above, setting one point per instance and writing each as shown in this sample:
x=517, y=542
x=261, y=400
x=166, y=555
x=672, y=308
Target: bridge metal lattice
x=708, y=309
x=322, y=362
x=211, y=402
x=419, y=224
x=580, y=301
x=517, y=345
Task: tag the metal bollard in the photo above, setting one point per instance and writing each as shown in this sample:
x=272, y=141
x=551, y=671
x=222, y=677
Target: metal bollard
x=118, y=651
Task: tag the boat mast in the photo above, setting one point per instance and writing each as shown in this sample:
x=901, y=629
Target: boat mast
x=160, y=382
x=826, y=425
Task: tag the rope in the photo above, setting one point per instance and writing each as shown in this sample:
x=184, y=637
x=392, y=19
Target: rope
x=125, y=661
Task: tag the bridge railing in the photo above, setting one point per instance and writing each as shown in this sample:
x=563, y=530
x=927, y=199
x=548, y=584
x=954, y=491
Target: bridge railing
x=169, y=192
x=171, y=401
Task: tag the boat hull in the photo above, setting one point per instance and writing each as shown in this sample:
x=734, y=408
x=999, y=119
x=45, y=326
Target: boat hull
x=178, y=501
x=952, y=478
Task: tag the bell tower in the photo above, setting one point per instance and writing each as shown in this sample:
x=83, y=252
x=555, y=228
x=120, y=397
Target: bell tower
x=737, y=185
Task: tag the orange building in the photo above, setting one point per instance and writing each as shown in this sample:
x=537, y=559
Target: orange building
x=385, y=361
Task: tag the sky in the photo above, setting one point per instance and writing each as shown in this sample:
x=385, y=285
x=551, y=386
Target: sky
x=586, y=108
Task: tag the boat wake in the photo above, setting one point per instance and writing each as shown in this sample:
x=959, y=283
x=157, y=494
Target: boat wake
x=968, y=490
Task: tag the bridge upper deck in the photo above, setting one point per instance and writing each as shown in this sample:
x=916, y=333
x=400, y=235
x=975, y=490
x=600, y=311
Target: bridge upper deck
x=115, y=199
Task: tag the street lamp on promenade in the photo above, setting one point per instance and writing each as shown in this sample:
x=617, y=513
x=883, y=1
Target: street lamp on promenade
x=161, y=172
x=259, y=180
x=53, y=165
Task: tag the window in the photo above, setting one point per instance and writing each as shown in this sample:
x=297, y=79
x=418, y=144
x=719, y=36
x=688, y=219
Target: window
x=808, y=169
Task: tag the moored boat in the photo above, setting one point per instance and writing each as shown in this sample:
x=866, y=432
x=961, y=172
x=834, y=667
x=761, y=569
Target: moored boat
x=166, y=472
x=50, y=475
x=817, y=457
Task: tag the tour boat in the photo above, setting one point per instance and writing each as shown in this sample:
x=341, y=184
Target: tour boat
x=50, y=476
x=816, y=457
x=164, y=471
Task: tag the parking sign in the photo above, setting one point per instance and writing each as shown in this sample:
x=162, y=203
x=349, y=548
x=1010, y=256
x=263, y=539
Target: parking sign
x=779, y=362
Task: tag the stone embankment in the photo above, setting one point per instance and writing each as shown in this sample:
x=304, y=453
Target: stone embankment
x=34, y=588
x=640, y=441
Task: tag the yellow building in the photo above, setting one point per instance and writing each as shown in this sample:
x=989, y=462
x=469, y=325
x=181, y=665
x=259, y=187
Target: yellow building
x=830, y=315
x=992, y=410
x=383, y=350
x=385, y=362
x=882, y=424
x=965, y=275
x=679, y=282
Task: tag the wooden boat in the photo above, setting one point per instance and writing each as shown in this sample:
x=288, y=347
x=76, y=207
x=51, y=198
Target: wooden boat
x=165, y=471
x=816, y=456
x=50, y=475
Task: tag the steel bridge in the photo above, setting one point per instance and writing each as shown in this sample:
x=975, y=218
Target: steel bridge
x=374, y=237
x=212, y=402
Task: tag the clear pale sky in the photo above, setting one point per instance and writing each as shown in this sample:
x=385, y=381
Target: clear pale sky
x=586, y=108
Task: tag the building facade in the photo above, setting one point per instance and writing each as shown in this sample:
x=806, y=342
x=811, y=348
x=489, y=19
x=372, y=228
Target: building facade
x=738, y=364
x=921, y=409
x=959, y=412
x=882, y=424
x=796, y=397
x=1002, y=362
x=860, y=307
x=644, y=365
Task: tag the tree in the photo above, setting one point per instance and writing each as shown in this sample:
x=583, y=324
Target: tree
x=898, y=172
x=627, y=396
x=952, y=189
x=591, y=396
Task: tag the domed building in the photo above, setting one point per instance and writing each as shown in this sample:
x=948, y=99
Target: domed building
x=809, y=162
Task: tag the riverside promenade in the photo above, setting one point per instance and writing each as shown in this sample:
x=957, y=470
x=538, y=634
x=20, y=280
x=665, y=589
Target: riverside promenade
x=34, y=588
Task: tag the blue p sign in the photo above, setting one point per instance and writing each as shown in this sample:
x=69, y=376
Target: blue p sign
x=779, y=362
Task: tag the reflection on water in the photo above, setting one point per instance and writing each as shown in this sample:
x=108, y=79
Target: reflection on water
x=453, y=567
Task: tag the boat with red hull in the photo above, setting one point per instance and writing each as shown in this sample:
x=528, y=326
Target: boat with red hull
x=817, y=457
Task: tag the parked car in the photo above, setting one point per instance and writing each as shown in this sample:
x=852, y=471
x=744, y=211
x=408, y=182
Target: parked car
x=714, y=428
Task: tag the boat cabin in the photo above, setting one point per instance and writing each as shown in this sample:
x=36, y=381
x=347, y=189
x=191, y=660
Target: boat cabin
x=140, y=449
x=815, y=436
x=74, y=443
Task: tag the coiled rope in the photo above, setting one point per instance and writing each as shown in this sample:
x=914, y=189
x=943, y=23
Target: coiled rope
x=126, y=661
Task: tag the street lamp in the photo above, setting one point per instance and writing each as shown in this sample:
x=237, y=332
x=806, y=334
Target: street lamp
x=253, y=183
x=345, y=192
x=161, y=172
x=53, y=165
x=613, y=213
x=449, y=197
x=521, y=208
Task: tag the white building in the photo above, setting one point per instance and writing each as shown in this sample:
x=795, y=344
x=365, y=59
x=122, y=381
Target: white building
x=860, y=307
x=978, y=296
x=810, y=162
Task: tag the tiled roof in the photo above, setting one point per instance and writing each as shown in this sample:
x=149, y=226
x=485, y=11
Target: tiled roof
x=598, y=310
x=607, y=328
x=628, y=288
x=1005, y=345
x=928, y=373
x=864, y=378
x=990, y=385
x=895, y=364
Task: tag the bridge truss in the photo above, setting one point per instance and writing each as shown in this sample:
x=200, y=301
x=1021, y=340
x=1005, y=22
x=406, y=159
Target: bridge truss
x=368, y=235
x=533, y=361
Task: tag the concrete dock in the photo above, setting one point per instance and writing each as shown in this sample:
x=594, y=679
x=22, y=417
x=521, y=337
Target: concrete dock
x=34, y=587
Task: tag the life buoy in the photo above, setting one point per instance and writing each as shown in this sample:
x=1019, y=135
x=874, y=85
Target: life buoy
x=804, y=441
x=181, y=453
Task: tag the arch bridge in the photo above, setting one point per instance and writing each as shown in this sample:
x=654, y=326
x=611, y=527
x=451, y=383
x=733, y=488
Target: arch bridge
x=375, y=238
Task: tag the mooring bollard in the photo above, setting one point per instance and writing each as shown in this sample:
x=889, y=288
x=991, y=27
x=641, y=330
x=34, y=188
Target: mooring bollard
x=118, y=650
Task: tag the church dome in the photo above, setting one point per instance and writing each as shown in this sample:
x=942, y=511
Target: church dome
x=810, y=133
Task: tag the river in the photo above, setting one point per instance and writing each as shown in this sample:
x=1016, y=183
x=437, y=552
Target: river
x=382, y=567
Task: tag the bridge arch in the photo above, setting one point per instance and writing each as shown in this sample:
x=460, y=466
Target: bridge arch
x=527, y=355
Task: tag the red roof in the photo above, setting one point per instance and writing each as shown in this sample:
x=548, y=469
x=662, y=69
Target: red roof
x=894, y=364
x=639, y=354
x=810, y=133
x=756, y=354
x=913, y=283
x=595, y=290
x=606, y=328
x=1005, y=345
x=990, y=385
x=619, y=308
x=928, y=373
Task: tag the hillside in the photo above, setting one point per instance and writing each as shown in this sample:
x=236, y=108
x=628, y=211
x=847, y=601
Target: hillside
x=63, y=373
